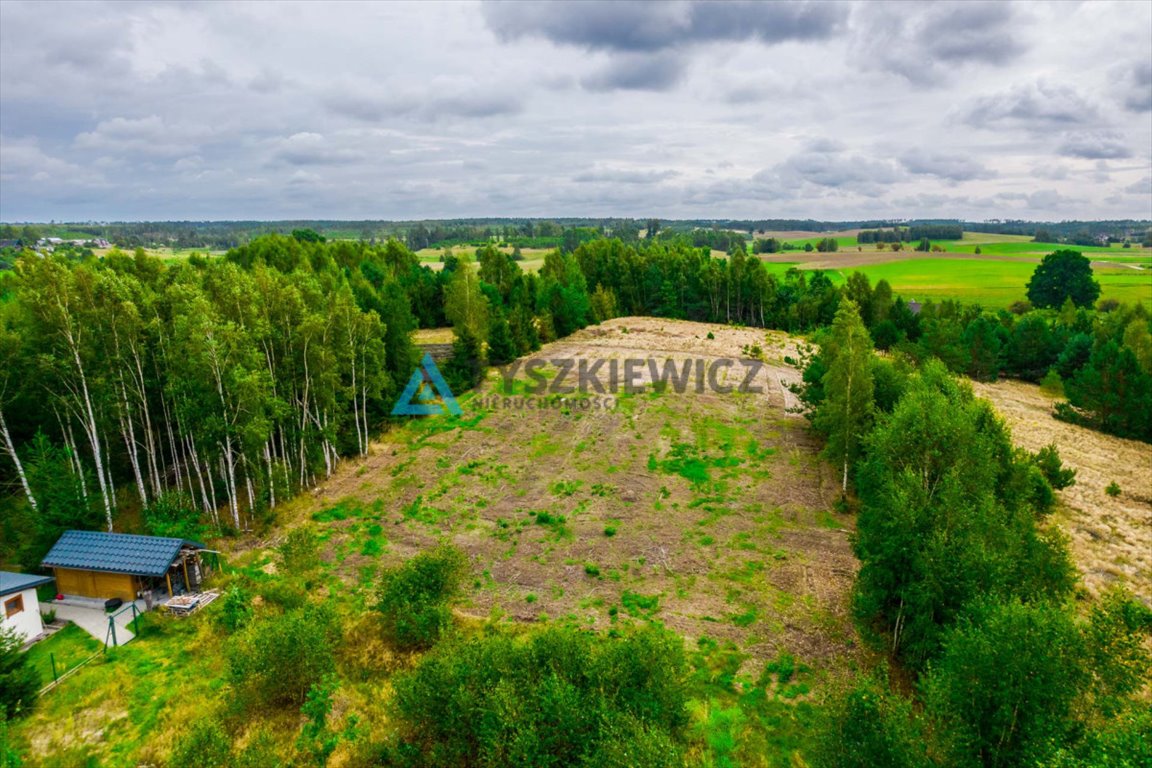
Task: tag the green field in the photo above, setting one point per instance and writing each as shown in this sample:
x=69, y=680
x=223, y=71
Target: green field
x=993, y=284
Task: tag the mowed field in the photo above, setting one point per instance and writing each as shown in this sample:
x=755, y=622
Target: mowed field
x=1110, y=537
x=995, y=278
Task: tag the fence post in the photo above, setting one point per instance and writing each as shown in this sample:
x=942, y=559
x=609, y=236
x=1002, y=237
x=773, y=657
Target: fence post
x=52, y=658
x=112, y=629
x=135, y=620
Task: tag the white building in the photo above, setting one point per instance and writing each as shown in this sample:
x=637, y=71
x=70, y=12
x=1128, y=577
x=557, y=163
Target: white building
x=19, y=607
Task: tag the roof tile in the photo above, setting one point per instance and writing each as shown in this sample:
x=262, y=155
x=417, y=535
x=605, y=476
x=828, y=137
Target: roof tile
x=115, y=552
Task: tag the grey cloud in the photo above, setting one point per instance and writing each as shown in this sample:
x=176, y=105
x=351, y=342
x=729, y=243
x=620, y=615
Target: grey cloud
x=631, y=72
x=622, y=176
x=823, y=164
x=375, y=108
x=146, y=135
x=474, y=105
x=351, y=110
x=1094, y=146
x=988, y=33
x=1139, y=86
x=943, y=166
x=1141, y=187
x=646, y=26
x=313, y=149
x=1046, y=199
x=1037, y=107
x=926, y=43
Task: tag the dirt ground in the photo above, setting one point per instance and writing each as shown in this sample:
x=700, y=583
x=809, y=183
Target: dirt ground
x=1110, y=538
x=709, y=512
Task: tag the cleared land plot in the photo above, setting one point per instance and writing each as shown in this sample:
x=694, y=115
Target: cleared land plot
x=711, y=513
x=1111, y=538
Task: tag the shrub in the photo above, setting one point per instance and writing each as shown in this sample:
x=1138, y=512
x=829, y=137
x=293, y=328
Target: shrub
x=609, y=531
x=1048, y=460
x=19, y=680
x=415, y=598
x=174, y=515
x=288, y=595
x=1052, y=384
x=1113, y=489
x=205, y=744
x=235, y=609
x=300, y=551
x=557, y=696
x=277, y=660
x=868, y=725
x=591, y=569
x=9, y=756
x=315, y=738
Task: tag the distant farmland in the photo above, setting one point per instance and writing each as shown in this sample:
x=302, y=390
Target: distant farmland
x=995, y=277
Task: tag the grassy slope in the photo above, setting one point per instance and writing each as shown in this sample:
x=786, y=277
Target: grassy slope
x=729, y=540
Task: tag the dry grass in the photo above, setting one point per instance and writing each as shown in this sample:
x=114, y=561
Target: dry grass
x=432, y=336
x=1111, y=538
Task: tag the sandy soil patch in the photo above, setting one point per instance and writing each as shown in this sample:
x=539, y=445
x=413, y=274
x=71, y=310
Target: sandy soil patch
x=1111, y=538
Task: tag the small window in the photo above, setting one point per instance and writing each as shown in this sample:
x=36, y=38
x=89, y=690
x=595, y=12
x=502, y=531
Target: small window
x=14, y=606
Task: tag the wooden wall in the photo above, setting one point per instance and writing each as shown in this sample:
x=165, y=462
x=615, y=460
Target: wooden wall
x=95, y=584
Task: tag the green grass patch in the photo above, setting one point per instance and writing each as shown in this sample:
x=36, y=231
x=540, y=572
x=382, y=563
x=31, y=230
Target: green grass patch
x=638, y=605
x=66, y=648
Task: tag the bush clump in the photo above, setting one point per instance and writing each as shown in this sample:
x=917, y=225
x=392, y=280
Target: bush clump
x=276, y=660
x=416, y=597
x=555, y=697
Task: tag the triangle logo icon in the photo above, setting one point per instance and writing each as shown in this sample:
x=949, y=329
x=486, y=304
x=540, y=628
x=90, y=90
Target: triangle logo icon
x=427, y=394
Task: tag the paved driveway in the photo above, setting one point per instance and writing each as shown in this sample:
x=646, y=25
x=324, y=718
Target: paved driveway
x=94, y=620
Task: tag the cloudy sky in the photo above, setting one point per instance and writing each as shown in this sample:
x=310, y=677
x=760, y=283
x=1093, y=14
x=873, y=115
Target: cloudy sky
x=129, y=110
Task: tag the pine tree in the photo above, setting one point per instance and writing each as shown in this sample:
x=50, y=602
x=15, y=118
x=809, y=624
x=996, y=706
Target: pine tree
x=501, y=346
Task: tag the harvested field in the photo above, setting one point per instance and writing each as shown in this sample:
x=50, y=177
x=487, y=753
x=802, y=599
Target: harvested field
x=709, y=512
x=1111, y=538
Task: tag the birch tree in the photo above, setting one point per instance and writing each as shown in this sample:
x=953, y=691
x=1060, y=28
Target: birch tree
x=846, y=412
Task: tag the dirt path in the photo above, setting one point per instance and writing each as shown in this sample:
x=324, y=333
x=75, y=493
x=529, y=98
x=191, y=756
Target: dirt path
x=1111, y=538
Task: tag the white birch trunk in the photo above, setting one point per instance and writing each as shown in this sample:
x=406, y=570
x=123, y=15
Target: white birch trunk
x=10, y=449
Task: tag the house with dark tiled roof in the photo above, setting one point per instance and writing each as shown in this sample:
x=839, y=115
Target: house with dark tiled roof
x=110, y=565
